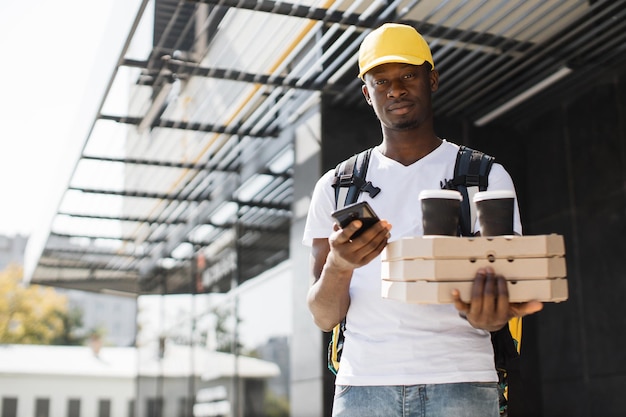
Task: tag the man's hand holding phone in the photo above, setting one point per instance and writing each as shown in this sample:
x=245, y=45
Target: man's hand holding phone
x=352, y=245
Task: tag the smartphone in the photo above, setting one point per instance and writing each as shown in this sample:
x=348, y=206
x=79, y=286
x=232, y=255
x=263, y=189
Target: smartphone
x=361, y=210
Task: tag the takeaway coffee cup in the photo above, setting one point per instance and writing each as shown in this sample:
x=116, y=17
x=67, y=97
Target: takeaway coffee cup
x=495, y=212
x=440, y=211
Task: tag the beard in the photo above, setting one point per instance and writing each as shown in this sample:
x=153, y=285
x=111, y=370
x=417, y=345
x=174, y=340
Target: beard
x=405, y=125
x=406, y=122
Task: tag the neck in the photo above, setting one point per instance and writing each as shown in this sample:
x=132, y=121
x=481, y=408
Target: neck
x=408, y=147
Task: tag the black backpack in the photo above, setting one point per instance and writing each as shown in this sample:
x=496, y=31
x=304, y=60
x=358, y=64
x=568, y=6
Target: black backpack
x=471, y=173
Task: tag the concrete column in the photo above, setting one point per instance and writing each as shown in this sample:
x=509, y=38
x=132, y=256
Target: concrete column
x=307, y=364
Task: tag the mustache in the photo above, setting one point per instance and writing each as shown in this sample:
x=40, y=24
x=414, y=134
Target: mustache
x=399, y=103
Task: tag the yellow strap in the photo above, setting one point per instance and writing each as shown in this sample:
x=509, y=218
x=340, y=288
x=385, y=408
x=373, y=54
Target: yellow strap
x=515, y=327
x=333, y=356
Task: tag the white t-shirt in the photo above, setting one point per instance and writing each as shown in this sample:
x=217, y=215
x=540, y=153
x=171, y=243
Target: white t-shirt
x=389, y=342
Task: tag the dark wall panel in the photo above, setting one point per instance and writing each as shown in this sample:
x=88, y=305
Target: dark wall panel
x=347, y=130
x=576, y=187
x=547, y=176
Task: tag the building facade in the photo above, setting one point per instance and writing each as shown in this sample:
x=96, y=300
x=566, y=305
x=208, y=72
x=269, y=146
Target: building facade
x=78, y=381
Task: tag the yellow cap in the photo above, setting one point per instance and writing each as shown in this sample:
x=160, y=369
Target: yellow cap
x=393, y=42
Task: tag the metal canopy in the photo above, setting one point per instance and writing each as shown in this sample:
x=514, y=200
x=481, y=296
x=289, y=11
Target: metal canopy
x=187, y=186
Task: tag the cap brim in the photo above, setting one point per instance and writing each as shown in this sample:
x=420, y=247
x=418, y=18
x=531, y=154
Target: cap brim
x=389, y=59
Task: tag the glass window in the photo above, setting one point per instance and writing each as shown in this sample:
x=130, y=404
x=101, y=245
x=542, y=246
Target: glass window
x=104, y=408
x=9, y=407
x=42, y=407
x=155, y=407
x=131, y=408
x=182, y=407
x=73, y=407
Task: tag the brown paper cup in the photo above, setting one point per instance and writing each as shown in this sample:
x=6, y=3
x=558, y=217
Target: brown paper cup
x=495, y=212
x=440, y=212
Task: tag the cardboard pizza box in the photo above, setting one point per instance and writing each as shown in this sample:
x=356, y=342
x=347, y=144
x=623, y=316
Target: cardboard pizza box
x=424, y=292
x=465, y=269
x=452, y=247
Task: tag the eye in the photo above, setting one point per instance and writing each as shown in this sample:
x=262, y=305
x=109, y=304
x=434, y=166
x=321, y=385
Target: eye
x=379, y=82
x=409, y=76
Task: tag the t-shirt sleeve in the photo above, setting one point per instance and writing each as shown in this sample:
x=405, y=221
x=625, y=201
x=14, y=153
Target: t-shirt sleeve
x=319, y=223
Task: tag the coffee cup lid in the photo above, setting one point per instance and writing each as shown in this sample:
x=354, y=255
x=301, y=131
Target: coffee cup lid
x=494, y=194
x=449, y=194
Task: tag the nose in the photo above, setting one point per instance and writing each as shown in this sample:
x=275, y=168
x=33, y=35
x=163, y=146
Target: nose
x=396, y=89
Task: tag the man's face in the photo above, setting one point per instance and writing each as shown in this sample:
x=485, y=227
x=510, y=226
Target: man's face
x=400, y=94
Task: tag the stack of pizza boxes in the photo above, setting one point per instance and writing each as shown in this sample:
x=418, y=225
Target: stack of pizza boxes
x=425, y=269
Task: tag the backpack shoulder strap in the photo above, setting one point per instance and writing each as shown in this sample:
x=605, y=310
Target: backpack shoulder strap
x=350, y=181
x=471, y=174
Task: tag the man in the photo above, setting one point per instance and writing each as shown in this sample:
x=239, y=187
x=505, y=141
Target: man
x=398, y=358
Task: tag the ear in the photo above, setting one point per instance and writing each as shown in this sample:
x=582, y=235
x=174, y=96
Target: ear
x=366, y=93
x=434, y=80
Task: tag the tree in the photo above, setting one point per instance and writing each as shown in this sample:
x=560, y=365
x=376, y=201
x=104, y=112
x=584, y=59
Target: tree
x=33, y=314
x=72, y=324
x=225, y=331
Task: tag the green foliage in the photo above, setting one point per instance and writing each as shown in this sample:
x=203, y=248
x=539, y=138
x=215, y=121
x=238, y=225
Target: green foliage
x=33, y=314
x=275, y=406
x=225, y=331
x=72, y=322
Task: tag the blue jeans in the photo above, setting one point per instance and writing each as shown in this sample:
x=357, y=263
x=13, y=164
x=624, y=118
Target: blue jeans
x=472, y=399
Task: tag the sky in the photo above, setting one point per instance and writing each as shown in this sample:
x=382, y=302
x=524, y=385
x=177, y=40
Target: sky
x=56, y=60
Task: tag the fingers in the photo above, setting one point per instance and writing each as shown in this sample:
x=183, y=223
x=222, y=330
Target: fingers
x=372, y=242
x=461, y=306
x=489, y=307
x=362, y=249
x=498, y=300
x=524, y=309
x=502, y=306
x=375, y=233
x=350, y=229
x=489, y=304
x=487, y=291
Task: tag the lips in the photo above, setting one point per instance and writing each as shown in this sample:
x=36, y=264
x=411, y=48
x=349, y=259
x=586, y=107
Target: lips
x=400, y=107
